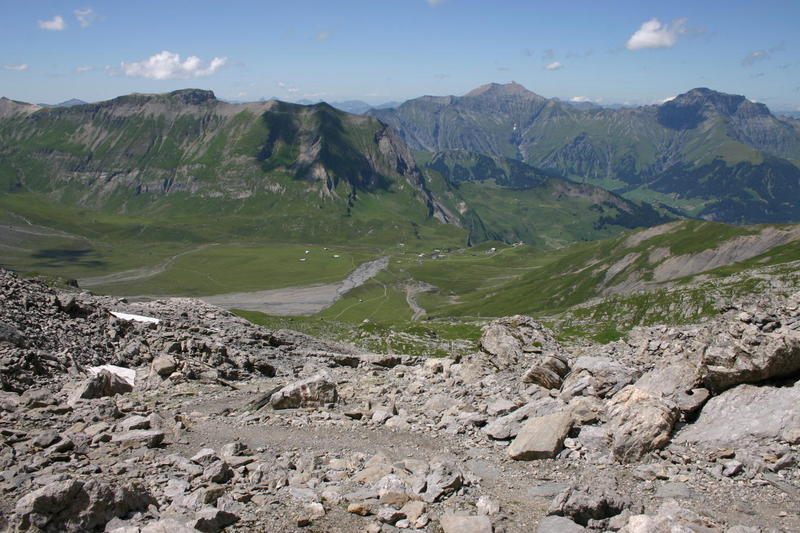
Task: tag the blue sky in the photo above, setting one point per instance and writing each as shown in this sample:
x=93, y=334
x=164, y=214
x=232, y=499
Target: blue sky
x=620, y=51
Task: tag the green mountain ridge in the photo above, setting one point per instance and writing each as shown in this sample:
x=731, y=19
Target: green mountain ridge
x=746, y=158
x=506, y=200
x=167, y=173
x=183, y=154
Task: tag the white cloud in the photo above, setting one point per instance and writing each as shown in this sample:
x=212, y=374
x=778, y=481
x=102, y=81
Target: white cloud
x=56, y=24
x=653, y=34
x=754, y=57
x=665, y=100
x=579, y=99
x=168, y=66
x=323, y=35
x=86, y=17
x=83, y=68
x=23, y=66
x=290, y=90
x=555, y=65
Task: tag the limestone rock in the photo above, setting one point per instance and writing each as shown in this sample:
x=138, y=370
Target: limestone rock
x=559, y=524
x=541, y=437
x=148, y=437
x=596, y=376
x=452, y=523
x=510, y=341
x=507, y=426
x=76, y=506
x=747, y=414
x=640, y=421
x=315, y=391
x=730, y=363
x=597, y=498
x=104, y=383
x=164, y=365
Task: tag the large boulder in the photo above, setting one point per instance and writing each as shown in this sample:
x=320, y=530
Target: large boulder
x=730, y=362
x=679, y=381
x=104, y=383
x=747, y=414
x=541, y=437
x=314, y=391
x=596, y=499
x=596, y=376
x=640, y=421
x=75, y=505
x=508, y=426
x=513, y=340
x=547, y=370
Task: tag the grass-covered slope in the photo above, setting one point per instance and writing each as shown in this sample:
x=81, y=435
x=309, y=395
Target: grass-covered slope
x=507, y=200
x=268, y=171
x=642, y=261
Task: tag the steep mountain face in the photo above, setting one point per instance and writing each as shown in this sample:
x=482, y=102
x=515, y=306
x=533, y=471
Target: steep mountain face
x=713, y=155
x=504, y=199
x=148, y=154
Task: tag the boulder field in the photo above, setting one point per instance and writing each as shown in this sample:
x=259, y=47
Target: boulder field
x=201, y=421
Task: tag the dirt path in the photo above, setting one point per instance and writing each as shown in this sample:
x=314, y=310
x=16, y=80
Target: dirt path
x=412, y=290
x=299, y=301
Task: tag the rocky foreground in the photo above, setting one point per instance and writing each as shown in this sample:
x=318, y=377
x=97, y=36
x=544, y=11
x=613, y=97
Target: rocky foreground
x=201, y=421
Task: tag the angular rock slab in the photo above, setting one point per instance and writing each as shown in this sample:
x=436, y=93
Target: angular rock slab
x=315, y=391
x=541, y=438
x=746, y=414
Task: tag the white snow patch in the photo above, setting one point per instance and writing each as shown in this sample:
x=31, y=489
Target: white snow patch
x=128, y=374
x=136, y=318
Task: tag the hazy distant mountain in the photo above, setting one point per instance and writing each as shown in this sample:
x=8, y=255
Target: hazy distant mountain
x=67, y=103
x=711, y=154
x=583, y=105
x=357, y=107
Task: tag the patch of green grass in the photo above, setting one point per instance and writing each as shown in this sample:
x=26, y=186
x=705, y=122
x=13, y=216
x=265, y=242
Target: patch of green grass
x=239, y=268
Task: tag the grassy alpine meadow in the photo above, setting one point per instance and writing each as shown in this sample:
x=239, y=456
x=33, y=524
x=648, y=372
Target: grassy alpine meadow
x=223, y=268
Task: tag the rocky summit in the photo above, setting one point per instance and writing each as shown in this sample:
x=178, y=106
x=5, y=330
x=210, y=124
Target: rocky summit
x=176, y=416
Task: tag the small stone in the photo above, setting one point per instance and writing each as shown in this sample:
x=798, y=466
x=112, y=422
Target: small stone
x=487, y=506
x=149, y=437
x=359, y=508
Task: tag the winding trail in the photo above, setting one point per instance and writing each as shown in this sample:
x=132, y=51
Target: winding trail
x=412, y=290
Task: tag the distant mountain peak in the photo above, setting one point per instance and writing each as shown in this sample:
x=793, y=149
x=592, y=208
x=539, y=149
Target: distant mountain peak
x=502, y=89
x=718, y=101
x=688, y=110
x=71, y=102
x=193, y=96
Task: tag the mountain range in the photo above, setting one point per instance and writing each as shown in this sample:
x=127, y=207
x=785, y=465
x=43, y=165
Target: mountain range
x=709, y=154
x=202, y=168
